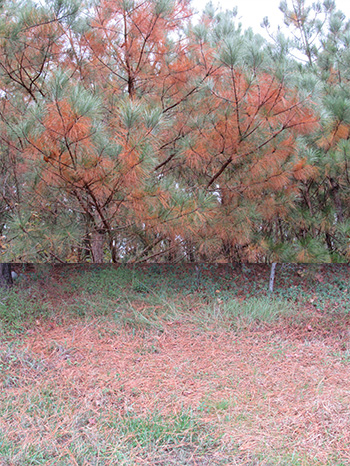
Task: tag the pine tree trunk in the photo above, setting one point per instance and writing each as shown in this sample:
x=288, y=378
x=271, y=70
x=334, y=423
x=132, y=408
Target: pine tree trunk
x=97, y=243
x=5, y=276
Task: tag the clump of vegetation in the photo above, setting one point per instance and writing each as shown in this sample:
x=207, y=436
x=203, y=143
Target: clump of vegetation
x=141, y=297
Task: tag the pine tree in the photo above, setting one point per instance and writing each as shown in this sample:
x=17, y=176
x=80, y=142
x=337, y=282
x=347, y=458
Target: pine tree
x=131, y=133
x=242, y=143
x=321, y=222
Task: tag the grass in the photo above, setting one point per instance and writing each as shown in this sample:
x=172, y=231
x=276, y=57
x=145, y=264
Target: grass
x=58, y=430
x=66, y=434
x=167, y=366
x=250, y=312
x=141, y=299
x=123, y=292
x=18, y=310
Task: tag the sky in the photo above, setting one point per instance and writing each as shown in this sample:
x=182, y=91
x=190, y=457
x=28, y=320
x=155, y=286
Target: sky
x=252, y=12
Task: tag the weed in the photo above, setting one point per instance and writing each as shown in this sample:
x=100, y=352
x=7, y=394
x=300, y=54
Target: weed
x=243, y=314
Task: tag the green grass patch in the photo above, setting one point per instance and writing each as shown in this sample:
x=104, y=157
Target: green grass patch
x=19, y=308
x=158, y=430
x=256, y=310
x=240, y=314
x=53, y=427
x=145, y=297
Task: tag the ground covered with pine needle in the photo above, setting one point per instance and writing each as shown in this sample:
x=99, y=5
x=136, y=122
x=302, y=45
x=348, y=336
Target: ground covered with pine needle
x=117, y=366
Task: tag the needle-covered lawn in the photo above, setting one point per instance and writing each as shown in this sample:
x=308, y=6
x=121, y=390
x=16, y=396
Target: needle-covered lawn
x=103, y=367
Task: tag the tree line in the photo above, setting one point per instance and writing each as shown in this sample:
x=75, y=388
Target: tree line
x=132, y=131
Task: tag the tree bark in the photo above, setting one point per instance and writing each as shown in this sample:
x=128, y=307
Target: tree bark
x=5, y=276
x=97, y=244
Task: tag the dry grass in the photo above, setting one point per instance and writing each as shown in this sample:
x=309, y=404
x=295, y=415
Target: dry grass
x=115, y=367
x=257, y=397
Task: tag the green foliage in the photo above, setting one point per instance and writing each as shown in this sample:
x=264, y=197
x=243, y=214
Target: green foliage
x=231, y=52
x=158, y=430
x=255, y=310
x=33, y=237
x=130, y=113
